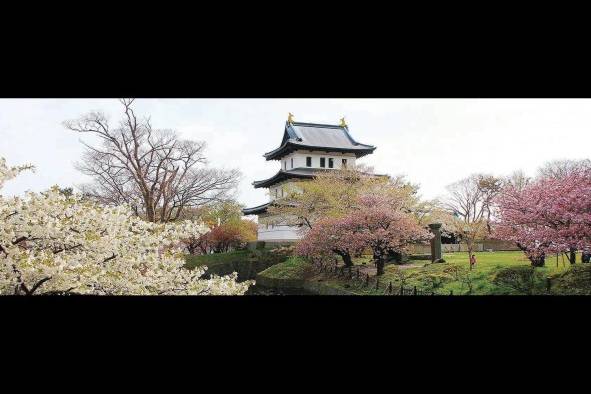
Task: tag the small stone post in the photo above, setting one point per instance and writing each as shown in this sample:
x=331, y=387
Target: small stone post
x=436, y=241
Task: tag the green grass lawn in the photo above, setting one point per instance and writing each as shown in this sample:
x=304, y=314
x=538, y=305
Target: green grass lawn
x=484, y=277
x=487, y=261
x=293, y=268
x=211, y=260
x=246, y=263
x=496, y=273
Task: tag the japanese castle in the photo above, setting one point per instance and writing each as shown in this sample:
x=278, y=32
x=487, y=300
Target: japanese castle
x=305, y=149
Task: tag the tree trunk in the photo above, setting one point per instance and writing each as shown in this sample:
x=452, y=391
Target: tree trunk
x=535, y=261
x=191, y=247
x=538, y=261
x=380, y=262
x=150, y=214
x=572, y=255
x=346, y=258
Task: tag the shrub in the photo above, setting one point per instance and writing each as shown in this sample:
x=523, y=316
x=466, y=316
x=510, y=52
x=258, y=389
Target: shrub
x=575, y=281
x=523, y=279
x=462, y=275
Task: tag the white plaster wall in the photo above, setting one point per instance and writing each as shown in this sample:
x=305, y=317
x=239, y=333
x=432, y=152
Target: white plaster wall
x=279, y=233
x=299, y=159
x=290, y=233
x=286, y=186
x=268, y=230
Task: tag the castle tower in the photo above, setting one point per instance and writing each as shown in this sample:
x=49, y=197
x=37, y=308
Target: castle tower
x=305, y=149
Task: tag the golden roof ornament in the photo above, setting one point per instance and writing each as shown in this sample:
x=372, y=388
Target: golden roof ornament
x=343, y=124
x=290, y=117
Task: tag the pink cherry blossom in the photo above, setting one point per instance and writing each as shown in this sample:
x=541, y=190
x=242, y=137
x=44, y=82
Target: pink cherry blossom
x=378, y=222
x=551, y=215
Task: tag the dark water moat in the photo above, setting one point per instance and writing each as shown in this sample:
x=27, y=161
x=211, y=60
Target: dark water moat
x=267, y=291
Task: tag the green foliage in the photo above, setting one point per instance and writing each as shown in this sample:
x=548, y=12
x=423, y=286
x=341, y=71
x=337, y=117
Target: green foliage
x=523, y=279
x=434, y=281
x=335, y=193
x=399, y=275
x=462, y=275
x=247, y=263
x=234, y=233
x=210, y=260
x=496, y=273
x=576, y=280
x=292, y=268
x=224, y=211
x=455, y=275
x=427, y=278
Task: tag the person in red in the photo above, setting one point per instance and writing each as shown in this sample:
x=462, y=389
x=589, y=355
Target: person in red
x=472, y=261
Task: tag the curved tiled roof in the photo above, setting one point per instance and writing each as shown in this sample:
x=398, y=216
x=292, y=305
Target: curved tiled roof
x=256, y=210
x=301, y=173
x=313, y=136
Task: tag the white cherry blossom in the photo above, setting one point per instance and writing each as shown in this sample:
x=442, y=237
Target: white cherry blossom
x=56, y=244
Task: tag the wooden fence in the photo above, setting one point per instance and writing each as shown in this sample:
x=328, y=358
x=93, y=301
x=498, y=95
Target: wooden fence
x=485, y=245
x=354, y=276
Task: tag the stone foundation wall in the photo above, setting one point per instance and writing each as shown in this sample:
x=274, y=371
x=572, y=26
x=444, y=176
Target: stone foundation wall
x=269, y=244
x=492, y=244
x=499, y=244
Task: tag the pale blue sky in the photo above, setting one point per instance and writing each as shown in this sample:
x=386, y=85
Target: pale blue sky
x=434, y=142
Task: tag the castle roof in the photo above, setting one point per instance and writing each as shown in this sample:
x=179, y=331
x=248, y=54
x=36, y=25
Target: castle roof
x=256, y=210
x=313, y=136
x=300, y=173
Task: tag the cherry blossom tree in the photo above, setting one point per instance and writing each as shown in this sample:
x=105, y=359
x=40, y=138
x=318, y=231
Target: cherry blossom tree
x=233, y=234
x=227, y=228
x=550, y=215
x=341, y=236
x=518, y=179
x=377, y=221
x=334, y=193
x=386, y=227
x=562, y=168
x=53, y=243
x=8, y=173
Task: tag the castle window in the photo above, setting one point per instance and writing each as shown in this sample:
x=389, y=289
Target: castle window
x=344, y=165
x=330, y=162
x=285, y=164
x=308, y=161
x=276, y=193
x=292, y=162
x=322, y=162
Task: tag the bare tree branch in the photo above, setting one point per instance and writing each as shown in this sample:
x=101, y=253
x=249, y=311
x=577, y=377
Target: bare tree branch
x=153, y=171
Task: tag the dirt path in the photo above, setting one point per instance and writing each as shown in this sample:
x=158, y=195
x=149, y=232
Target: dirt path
x=413, y=265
